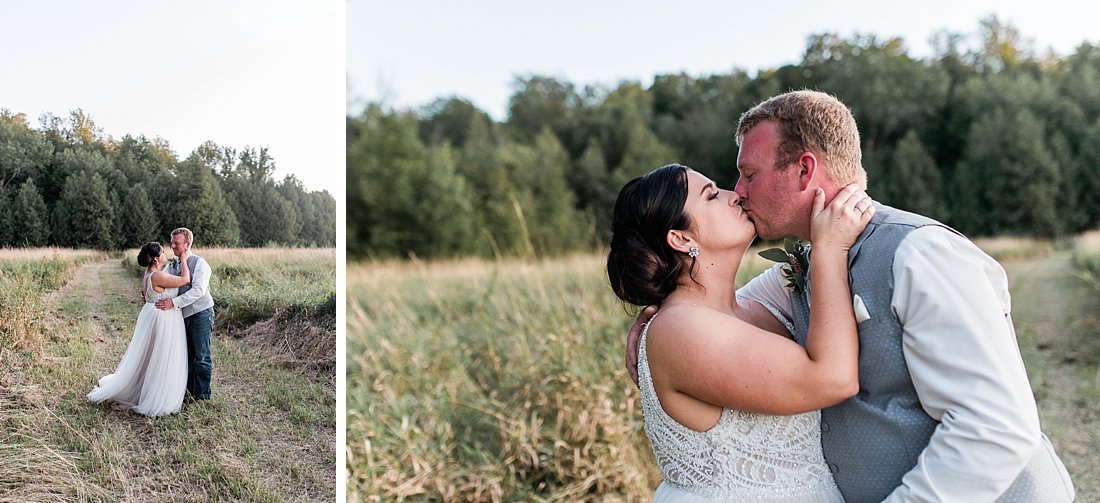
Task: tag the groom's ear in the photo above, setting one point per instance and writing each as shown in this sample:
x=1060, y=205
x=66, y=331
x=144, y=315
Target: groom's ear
x=807, y=170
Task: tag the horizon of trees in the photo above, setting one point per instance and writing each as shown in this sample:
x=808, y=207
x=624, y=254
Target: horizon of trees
x=69, y=184
x=991, y=138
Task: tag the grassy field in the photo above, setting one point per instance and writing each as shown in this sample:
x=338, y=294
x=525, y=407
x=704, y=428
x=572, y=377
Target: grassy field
x=503, y=380
x=26, y=275
x=282, y=298
x=268, y=434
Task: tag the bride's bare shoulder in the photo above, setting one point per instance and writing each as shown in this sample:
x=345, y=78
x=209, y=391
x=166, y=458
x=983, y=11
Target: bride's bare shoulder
x=697, y=320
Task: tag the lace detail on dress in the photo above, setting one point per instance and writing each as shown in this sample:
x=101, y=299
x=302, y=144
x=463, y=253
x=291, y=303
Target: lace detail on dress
x=744, y=456
x=153, y=295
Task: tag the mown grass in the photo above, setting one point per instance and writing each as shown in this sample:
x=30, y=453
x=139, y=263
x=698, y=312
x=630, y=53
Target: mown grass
x=268, y=434
x=1056, y=308
x=25, y=277
x=492, y=381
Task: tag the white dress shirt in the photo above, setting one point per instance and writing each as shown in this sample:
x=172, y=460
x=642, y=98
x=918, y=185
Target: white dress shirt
x=198, y=297
x=953, y=303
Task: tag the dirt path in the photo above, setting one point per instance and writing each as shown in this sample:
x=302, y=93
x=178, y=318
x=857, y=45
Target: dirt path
x=268, y=434
x=1059, y=330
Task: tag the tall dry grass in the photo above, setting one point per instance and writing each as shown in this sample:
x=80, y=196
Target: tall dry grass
x=1004, y=248
x=1086, y=257
x=26, y=275
x=475, y=380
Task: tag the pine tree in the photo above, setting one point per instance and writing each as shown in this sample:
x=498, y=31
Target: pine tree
x=556, y=225
x=194, y=199
x=5, y=216
x=138, y=218
x=913, y=182
x=29, y=222
x=84, y=217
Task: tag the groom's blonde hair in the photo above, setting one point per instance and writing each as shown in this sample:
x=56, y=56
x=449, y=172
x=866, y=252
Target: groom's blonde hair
x=186, y=233
x=813, y=121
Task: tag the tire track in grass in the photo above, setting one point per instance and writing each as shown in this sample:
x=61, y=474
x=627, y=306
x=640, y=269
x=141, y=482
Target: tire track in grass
x=1058, y=327
x=251, y=442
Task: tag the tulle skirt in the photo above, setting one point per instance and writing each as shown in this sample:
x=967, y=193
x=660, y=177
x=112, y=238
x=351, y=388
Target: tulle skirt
x=152, y=376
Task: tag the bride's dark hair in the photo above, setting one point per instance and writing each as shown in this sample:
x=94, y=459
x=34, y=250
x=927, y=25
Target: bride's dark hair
x=148, y=254
x=642, y=267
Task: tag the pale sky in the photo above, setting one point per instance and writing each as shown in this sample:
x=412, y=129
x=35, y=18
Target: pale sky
x=258, y=73
x=407, y=53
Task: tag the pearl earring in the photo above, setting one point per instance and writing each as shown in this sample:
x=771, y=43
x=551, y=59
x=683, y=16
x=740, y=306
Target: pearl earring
x=693, y=252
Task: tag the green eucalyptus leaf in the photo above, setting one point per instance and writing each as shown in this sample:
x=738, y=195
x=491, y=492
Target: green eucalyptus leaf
x=775, y=255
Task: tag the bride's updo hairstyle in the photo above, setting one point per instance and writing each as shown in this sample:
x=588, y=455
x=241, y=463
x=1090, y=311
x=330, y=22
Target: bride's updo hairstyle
x=642, y=267
x=148, y=254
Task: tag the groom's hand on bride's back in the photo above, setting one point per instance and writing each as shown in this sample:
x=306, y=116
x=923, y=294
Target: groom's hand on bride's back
x=633, y=337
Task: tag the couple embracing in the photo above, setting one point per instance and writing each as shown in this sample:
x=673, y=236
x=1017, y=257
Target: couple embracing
x=882, y=366
x=169, y=354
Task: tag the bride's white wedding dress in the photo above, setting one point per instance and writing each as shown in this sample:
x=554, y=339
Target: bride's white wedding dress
x=152, y=376
x=744, y=457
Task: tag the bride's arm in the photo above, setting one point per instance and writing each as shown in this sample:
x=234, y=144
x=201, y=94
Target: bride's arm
x=165, y=280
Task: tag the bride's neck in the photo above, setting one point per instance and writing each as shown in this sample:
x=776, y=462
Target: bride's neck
x=711, y=284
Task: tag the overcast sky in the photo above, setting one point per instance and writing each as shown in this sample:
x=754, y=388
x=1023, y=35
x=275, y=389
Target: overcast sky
x=259, y=73
x=410, y=52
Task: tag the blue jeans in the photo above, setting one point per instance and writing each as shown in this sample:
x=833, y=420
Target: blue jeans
x=199, y=366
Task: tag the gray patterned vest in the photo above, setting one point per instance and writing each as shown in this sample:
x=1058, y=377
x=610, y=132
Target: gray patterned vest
x=192, y=262
x=871, y=440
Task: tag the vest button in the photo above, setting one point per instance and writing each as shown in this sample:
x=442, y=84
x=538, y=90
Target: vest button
x=824, y=427
x=833, y=468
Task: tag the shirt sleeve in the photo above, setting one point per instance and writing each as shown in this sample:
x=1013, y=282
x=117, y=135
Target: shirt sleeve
x=959, y=343
x=768, y=288
x=200, y=284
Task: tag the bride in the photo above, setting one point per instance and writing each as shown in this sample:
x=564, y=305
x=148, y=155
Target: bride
x=152, y=376
x=732, y=410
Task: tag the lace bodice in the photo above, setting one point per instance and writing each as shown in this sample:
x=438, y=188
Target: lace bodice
x=745, y=456
x=153, y=295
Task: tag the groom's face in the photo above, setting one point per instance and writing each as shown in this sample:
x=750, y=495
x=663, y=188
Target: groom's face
x=768, y=194
x=179, y=244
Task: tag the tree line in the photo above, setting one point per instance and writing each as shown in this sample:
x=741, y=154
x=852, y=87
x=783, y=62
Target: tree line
x=988, y=135
x=69, y=184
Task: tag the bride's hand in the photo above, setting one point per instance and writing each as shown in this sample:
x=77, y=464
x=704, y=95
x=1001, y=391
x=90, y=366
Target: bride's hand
x=839, y=224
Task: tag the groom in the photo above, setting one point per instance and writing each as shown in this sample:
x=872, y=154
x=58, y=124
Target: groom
x=945, y=410
x=198, y=315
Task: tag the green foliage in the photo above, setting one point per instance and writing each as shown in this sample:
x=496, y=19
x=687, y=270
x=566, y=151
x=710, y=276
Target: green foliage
x=138, y=218
x=1008, y=180
x=404, y=198
x=23, y=152
x=29, y=223
x=201, y=205
x=84, y=216
x=912, y=180
x=986, y=136
x=450, y=120
x=207, y=192
x=551, y=217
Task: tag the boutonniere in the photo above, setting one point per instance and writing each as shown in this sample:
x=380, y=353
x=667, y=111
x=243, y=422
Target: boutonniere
x=795, y=262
